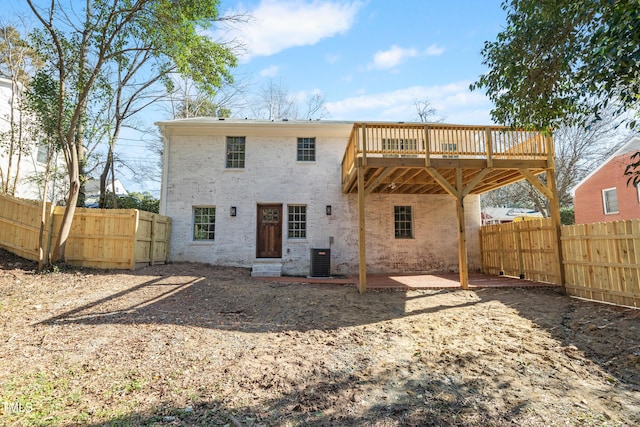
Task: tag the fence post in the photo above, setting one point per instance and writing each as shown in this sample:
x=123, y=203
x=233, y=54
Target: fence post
x=500, y=250
x=152, y=239
x=52, y=216
x=136, y=222
x=167, y=240
x=519, y=248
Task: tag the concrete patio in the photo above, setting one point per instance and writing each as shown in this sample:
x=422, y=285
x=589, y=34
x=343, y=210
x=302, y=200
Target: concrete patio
x=404, y=282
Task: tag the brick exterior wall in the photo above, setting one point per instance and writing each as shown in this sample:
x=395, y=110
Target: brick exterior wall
x=195, y=175
x=588, y=202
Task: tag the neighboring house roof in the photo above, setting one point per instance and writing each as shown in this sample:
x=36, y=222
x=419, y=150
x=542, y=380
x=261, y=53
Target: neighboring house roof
x=92, y=187
x=632, y=146
x=508, y=214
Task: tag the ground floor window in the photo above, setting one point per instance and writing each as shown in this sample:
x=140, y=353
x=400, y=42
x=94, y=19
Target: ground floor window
x=610, y=201
x=403, y=222
x=297, y=224
x=204, y=223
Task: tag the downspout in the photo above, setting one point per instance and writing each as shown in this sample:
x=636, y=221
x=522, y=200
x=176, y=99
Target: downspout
x=164, y=190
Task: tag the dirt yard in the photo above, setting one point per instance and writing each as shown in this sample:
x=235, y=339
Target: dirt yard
x=190, y=344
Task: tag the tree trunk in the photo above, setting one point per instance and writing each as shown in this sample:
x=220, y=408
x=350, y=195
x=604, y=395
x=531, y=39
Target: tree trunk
x=19, y=160
x=42, y=259
x=70, y=209
x=12, y=138
x=42, y=256
x=102, y=202
x=113, y=185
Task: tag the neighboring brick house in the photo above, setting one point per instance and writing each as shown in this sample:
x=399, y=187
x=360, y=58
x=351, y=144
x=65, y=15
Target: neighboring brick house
x=604, y=195
x=230, y=185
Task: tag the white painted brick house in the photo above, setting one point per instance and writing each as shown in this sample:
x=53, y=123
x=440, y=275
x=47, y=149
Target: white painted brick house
x=244, y=192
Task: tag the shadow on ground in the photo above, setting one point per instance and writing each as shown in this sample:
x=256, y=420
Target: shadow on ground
x=419, y=389
x=229, y=299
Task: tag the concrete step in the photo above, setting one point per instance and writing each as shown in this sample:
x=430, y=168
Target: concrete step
x=266, y=269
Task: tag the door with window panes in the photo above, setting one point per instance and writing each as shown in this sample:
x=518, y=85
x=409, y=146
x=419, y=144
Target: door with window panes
x=269, y=239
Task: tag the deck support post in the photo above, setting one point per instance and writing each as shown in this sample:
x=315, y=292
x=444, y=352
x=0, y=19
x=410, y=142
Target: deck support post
x=462, y=233
x=362, y=266
x=554, y=207
x=458, y=192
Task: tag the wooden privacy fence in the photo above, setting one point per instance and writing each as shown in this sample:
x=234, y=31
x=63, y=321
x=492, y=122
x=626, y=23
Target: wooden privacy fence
x=99, y=238
x=601, y=260
x=526, y=249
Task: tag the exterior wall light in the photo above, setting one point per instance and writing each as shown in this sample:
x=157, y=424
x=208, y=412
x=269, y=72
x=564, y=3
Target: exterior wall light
x=233, y=211
x=328, y=210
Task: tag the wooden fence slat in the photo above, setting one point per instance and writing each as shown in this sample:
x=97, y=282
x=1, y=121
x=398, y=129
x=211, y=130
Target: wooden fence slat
x=601, y=260
x=99, y=238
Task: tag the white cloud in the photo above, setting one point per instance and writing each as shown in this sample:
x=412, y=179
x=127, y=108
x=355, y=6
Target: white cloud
x=453, y=101
x=395, y=55
x=277, y=25
x=385, y=59
x=270, y=71
x=434, y=50
x=332, y=58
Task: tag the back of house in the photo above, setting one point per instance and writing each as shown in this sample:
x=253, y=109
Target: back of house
x=254, y=193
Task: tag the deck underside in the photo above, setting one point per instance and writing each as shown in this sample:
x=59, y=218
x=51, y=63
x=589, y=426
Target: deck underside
x=412, y=176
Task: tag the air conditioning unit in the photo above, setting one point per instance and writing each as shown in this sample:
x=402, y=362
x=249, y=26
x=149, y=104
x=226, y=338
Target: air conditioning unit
x=320, y=263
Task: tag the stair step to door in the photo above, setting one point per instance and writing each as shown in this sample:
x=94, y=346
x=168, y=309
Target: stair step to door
x=271, y=269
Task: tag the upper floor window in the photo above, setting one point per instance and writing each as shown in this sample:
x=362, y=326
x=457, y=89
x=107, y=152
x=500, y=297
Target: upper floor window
x=403, y=222
x=235, y=152
x=610, y=201
x=43, y=153
x=306, y=149
x=204, y=223
x=394, y=147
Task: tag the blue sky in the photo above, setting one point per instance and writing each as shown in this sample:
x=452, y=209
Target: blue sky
x=371, y=59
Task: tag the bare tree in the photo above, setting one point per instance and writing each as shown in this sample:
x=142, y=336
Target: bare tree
x=186, y=100
x=578, y=149
x=315, y=107
x=274, y=102
x=426, y=112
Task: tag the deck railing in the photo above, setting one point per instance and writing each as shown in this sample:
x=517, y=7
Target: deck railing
x=442, y=141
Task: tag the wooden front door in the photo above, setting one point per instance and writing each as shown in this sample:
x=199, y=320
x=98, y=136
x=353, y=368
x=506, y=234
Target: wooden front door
x=269, y=244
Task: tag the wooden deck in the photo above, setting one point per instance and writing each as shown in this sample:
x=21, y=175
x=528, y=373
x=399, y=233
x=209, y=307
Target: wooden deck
x=418, y=158
x=399, y=158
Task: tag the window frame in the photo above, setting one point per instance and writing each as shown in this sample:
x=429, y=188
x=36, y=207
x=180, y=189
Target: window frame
x=400, y=218
x=306, y=153
x=296, y=218
x=604, y=201
x=211, y=233
x=42, y=154
x=235, y=158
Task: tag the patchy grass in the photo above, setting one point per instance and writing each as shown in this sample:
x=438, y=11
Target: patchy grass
x=189, y=345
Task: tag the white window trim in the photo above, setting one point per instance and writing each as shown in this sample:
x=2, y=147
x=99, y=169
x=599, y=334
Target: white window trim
x=226, y=156
x=315, y=149
x=193, y=224
x=411, y=223
x=604, y=201
x=306, y=223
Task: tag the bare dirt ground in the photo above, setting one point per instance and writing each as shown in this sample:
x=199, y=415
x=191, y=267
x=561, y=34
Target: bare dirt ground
x=190, y=344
